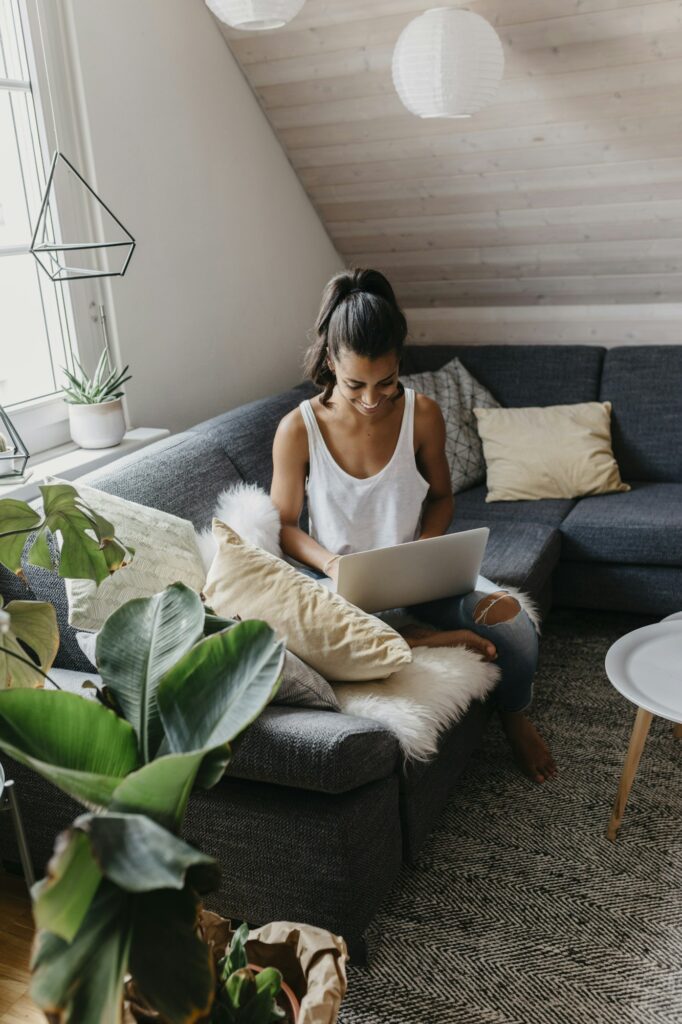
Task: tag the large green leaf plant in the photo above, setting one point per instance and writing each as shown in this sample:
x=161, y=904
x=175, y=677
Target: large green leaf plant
x=179, y=686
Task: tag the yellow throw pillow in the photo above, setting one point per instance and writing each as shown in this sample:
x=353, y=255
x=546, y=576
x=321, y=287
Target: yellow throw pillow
x=335, y=637
x=560, y=451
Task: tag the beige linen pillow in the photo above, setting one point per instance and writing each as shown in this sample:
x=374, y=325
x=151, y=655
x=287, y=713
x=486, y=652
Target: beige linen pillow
x=560, y=451
x=166, y=550
x=335, y=637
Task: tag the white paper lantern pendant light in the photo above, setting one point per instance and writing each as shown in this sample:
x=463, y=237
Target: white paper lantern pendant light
x=255, y=15
x=447, y=63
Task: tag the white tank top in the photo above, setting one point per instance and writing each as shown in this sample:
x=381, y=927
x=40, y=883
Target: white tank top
x=349, y=514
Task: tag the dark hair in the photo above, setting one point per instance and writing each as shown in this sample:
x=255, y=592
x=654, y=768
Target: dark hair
x=359, y=313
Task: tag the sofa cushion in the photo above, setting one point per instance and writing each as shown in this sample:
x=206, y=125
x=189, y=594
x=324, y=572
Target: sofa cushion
x=246, y=434
x=520, y=375
x=644, y=383
x=643, y=589
x=314, y=750
x=519, y=555
x=642, y=527
x=471, y=504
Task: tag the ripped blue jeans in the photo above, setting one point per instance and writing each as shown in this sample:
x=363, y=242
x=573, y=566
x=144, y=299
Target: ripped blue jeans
x=515, y=639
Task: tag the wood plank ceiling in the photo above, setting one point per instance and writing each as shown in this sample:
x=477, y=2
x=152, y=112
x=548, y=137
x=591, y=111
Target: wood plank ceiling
x=567, y=190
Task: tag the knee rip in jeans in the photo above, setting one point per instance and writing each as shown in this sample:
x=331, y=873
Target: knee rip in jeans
x=495, y=608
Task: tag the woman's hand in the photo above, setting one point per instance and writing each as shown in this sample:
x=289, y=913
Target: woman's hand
x=420, y=636
x=331, y=568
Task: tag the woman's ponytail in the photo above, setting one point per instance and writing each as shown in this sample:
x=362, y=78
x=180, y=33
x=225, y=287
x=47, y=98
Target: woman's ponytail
x=358, y=312
x=316, y=367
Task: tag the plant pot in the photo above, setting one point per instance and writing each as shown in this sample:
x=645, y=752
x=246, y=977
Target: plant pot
x=286, y=999
x=97, y=426
x=8, y=464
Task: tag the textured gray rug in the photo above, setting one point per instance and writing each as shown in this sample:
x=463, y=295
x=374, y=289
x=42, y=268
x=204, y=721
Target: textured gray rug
x=519, y=910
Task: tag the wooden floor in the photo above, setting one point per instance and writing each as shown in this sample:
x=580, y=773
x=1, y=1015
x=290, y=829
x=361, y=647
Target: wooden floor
x=16, y=933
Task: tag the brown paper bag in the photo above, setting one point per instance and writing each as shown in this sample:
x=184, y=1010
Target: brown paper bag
x=319, y=955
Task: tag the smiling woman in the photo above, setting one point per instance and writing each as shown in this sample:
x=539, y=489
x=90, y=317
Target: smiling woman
x=369, y=455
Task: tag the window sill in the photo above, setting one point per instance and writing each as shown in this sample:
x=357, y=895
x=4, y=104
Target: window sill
x=69, y=462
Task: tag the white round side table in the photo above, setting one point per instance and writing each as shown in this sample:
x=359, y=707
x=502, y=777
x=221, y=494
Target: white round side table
x=646, y=667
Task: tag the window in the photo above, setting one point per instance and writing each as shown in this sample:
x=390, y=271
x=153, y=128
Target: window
x=36, y=321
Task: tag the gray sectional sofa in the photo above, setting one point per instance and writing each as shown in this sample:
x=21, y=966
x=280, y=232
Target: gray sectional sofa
x=318, y=812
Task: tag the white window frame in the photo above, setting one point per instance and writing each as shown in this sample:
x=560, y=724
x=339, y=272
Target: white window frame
x=52, y=56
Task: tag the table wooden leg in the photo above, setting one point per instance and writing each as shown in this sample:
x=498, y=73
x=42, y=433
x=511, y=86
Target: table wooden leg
x=677, y=731
x=640, y=731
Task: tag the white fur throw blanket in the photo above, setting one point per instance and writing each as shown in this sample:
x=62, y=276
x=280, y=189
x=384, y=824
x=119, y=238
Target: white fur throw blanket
x=423, y=699
x=418, y=702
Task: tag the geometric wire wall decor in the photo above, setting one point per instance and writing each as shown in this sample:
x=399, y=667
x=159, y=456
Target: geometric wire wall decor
x=64, y=260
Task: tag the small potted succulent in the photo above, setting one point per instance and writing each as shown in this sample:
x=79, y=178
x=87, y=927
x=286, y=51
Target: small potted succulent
x=95, y=409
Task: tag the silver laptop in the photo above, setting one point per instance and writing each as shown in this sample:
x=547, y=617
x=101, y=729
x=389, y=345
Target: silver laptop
x=406, y=574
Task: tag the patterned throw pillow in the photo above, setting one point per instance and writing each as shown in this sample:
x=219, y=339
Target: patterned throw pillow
x=457, y=392
x=303, y=687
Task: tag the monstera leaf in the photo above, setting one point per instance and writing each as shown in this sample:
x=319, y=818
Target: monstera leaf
x=29, y=641
x=81, y=558
x=89, y=549
x=138, y=644
x=17, y=519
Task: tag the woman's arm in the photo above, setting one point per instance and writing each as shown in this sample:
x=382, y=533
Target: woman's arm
x=433, y=465
x=290, y=466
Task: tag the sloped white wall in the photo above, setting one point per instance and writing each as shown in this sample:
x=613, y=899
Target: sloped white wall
x=231, y=257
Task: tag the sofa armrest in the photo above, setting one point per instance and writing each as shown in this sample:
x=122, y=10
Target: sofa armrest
x=317, y=750
x=326, y=751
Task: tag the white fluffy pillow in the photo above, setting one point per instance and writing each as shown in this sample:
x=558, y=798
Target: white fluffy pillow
x=251, y=513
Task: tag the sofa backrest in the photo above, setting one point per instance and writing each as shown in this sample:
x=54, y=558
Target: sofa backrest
x=183, y=475
x=520, y=375
x=246, y=434
x=644, y=383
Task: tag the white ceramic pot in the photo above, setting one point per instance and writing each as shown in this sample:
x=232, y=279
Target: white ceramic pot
x=97, y=426
x=8, y=466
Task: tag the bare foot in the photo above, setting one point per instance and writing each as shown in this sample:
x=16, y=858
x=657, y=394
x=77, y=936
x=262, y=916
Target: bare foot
x=530, y=750
x=424, y=636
